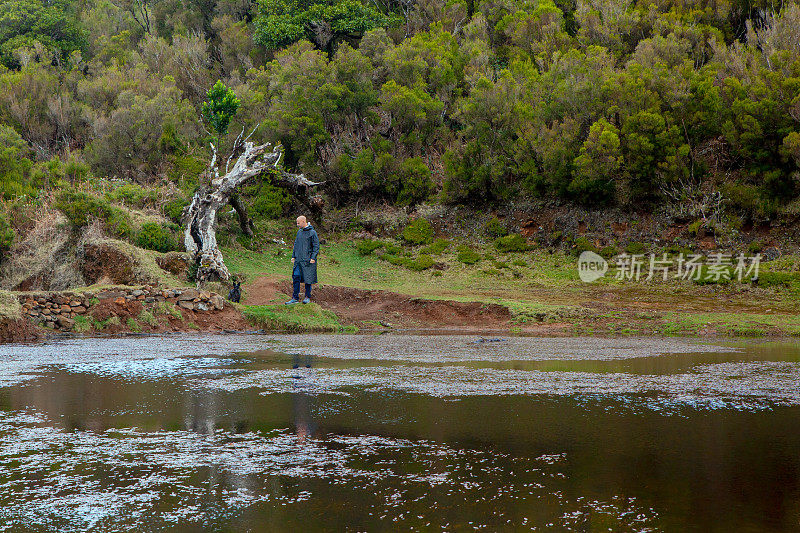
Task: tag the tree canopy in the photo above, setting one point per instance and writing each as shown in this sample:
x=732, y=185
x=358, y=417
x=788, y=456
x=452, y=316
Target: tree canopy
x=26, y=23
x=597, y=102
x=325, y=23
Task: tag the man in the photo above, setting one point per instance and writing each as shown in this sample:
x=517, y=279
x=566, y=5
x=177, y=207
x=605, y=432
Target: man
x=304, y=260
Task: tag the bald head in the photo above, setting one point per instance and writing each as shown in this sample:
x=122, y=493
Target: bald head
x=301, y=222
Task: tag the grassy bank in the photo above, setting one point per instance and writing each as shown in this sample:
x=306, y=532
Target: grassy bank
x=297, y=318
x=543, y=287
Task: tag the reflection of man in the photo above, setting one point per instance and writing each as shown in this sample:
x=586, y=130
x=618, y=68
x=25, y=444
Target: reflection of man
x=304, y=259
x=303, y=423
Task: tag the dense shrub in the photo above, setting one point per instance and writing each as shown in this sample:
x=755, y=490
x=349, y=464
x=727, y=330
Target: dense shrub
x=118, y=223
x=495, y=228
x=393, y=249
x=265, y=201
x=7, y=235
x=607, y=252
x=635, y=247
x=133, y=195
x=419, y=231
x=173, y=209
x=186, y=169
x=468, y=256
x=777, y=279
x=367, y=246
x=590, y=102
x=78, y=207
x=15, y=167
x=512, y=243
x=582, y=244
x=422, y=262
x=415, y=181
x=437, y=248
x=153, y=236
x=418, y=264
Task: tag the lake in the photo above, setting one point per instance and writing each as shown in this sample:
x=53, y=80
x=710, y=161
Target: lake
x=399, y=432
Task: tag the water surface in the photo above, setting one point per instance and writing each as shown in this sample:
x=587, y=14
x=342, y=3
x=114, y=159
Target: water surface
x=350, y=432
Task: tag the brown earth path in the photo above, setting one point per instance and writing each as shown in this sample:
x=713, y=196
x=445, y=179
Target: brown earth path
x=379, y=310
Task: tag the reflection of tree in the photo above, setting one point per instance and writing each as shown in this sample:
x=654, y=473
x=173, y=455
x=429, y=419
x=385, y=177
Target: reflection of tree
x=200, y=412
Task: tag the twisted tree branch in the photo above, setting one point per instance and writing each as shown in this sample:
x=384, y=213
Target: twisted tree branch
x=201, y=215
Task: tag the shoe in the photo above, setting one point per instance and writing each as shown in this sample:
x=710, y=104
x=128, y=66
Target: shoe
x=306, y=300
x=292, y=301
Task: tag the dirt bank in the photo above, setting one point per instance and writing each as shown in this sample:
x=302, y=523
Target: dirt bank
x=18, y=330
x=379, y=310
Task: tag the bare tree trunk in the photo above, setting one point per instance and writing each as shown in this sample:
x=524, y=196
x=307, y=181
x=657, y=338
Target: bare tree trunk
x=201, y=215
x=245, y=222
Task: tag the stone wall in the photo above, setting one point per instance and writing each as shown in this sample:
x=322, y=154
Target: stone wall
x=58, y=310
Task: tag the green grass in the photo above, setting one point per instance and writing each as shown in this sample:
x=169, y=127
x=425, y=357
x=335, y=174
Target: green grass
x=734, y=324
x=112, y=321
x=146, y=317
x=133, y=325
x=83, y=324
x=167, y=308
x=296, y=318
x=549, y=290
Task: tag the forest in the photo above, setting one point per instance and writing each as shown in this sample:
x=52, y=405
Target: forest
x=108, y=106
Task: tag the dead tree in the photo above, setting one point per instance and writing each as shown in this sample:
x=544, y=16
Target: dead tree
x=200, y=216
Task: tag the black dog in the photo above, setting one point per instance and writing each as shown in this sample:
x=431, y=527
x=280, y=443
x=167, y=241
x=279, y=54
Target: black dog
x=235, y=294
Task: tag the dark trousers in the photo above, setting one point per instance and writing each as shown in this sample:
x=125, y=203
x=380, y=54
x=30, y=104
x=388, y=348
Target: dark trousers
x=297, y=278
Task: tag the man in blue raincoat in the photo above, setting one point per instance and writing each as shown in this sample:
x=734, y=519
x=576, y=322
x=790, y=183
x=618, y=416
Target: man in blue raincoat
x=304, y=260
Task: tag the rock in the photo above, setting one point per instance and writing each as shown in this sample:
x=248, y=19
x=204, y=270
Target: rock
x=202, y=306
x=104, y=260
x=188, y=294
x=186, y=304
x=138, y=292
x=205, y=295
x=65, y=308
x=119, y=301
x=176, y=263
x=149, y=300
x=46, y=311
x=107, y=295
x=65, y=323
x=218, y=302
x=74, y=303
x=79, y=309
